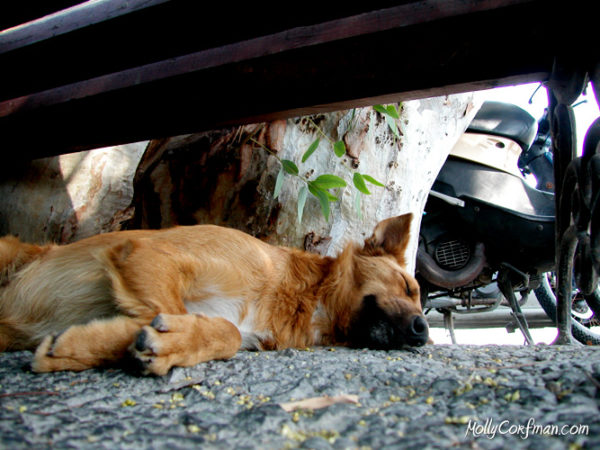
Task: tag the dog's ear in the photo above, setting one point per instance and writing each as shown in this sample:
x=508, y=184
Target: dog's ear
x=390, y=237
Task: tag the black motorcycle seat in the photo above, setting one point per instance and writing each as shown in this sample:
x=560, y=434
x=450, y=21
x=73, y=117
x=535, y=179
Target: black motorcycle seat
x=505, y=120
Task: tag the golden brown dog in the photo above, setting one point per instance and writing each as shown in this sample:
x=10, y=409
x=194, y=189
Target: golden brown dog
x=180, y=296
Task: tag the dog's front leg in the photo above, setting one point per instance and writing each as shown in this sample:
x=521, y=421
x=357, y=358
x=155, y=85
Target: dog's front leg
x=184, y=340
x=82, y=347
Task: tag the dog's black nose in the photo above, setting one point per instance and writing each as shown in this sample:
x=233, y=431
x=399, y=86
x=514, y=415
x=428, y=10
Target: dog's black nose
x=418, y=330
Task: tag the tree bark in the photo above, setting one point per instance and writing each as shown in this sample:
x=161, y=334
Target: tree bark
x=227, y=177
x=65, y=198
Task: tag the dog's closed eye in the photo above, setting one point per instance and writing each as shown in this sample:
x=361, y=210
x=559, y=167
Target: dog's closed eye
x=370, y=300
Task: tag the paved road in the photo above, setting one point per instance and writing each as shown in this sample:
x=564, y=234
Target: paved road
x=442, y=396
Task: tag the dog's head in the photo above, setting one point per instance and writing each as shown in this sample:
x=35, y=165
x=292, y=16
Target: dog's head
x=379, y=302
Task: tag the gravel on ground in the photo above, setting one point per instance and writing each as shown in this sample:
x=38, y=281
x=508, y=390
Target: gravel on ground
x=439, y=396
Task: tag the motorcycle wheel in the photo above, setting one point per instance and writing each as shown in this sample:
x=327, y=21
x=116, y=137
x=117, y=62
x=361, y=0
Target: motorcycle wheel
x=547, y=300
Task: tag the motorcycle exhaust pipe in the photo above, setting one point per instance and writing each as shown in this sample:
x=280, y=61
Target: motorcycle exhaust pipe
x=434, y=274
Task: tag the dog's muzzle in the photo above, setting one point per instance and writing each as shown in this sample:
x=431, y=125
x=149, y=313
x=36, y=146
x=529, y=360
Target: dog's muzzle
x=417, y=332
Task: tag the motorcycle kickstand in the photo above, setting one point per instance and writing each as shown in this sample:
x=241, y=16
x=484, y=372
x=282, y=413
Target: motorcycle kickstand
x=449, y=324
x=506, y=288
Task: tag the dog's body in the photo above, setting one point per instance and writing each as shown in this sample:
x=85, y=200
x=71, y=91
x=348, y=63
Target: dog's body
x=184, y=295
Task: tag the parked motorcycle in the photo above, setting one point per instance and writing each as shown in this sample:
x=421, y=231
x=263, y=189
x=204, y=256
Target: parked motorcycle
x=487, y=234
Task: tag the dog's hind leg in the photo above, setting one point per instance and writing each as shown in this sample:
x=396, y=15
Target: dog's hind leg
x=5, y=338
x=82, y=347
x=184, y=340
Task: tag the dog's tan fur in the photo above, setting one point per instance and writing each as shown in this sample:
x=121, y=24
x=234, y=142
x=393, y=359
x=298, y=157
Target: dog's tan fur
x=184, y=295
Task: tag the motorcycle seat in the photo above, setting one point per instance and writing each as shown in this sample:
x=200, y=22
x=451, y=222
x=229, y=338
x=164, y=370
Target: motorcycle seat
x=505, y=120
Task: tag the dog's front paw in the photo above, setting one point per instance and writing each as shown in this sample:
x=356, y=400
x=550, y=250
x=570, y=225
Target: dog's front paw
x=159, y=323
x=148, y=349
x=43, y=356
x=53, y=355
x=183, y=340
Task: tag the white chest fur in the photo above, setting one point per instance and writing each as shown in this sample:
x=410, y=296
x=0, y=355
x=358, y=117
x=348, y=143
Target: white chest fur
x=231, y=309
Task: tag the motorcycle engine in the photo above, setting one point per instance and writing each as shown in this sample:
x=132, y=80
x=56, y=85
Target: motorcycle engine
x=449, y=261
x=452, y=254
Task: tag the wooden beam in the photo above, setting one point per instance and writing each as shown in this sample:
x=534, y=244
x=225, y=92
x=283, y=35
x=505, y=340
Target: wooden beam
x=285, y=41
x=15, y=13
x=63, y=21
x=263, y=72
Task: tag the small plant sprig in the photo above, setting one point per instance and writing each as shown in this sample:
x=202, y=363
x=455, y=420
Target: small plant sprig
x=390, y=113
x=320, y=186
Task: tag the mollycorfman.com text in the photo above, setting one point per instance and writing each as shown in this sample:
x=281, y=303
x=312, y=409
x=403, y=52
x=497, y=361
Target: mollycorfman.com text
x=490, y=429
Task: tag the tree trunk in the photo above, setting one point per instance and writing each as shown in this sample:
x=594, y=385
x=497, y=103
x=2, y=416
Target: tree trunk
x=227, y=177
x=68, y=197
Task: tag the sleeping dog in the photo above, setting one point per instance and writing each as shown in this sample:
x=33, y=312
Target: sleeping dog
x=184, y=295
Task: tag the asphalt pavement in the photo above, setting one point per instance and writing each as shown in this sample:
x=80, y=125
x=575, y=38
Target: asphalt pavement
x=441, y=396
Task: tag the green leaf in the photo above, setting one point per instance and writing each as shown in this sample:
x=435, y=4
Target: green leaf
x=323, y=199
x=302, y=194
x=372, y=180
x=313, y=189
x=388, y=111
x=313, y=185
x=380, y=109
x=392, y=124
x=359, y=183
x=331, y=197
x=357, y=206
x=352, y=121
x=324, y=204
x=278, y=183
x=289, y=166
x=392, y=111
x=329, y=181
x=311, y=150
x=339, y=148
